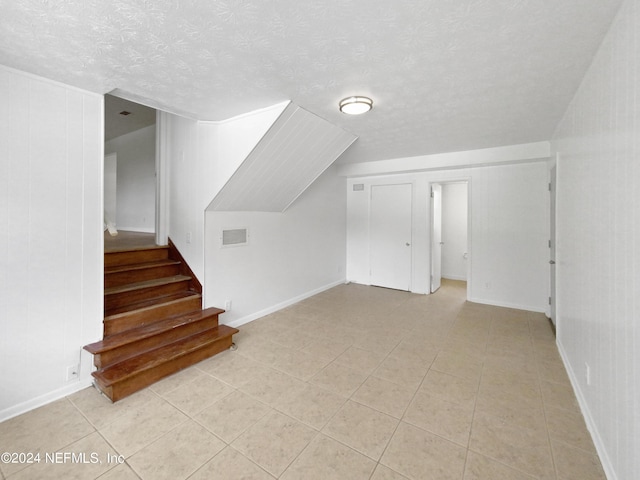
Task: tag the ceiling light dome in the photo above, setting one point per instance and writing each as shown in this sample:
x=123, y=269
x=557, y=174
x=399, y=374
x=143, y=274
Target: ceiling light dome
x=355, y=105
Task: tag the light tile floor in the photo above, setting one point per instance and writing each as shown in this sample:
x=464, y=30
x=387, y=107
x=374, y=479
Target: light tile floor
x=354, y=383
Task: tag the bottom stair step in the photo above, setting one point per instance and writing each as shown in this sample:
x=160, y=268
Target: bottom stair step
x=124, y=378
x=119, y=346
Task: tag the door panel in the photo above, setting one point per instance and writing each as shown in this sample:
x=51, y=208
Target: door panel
x=436, y=237
x=390, y=227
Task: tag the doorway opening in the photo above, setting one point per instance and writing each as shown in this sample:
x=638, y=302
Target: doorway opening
x=129, y=171
x=449, y=232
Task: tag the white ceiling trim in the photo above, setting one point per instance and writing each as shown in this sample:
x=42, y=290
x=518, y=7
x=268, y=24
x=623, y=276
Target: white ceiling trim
x=528, y=152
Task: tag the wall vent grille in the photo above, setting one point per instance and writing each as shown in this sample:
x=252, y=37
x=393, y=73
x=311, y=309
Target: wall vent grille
x=235, y=237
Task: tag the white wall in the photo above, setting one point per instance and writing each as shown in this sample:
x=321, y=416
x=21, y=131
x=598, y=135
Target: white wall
x=136, y=181
x=289, y=256
x=51, y=240
x=201, y=157
x=598, y=244
x=454, y=231
x=509, y=232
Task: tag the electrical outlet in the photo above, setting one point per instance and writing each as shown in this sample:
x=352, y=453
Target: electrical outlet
x=72, y=372
x=188, y=237
x=227, y=305
x=587, y=373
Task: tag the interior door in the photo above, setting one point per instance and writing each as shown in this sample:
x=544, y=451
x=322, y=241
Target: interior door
x=390, y=228
x=552, y=247
x=436, y=237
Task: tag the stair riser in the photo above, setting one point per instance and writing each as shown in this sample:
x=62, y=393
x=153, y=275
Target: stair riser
x=117, y=300
x=131, y=385
x=113, y=259
x=119, y=354
x=140, y=275
x=127, y=321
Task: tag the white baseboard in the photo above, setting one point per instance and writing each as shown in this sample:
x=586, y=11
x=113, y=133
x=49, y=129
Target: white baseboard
x=24, y=407
x=515, y=306
x=607, y=466
x=279, y=306
x=136, y=229
x=455, y=277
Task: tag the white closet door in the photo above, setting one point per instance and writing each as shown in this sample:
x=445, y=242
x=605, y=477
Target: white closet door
x=390, y=236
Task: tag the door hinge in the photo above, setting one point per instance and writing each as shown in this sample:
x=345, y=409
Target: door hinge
x=549, y=243
x=549, y=186
x=549, y=300
x=432, y=193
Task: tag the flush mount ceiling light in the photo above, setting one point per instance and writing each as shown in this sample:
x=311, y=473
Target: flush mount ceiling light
x=355, y=105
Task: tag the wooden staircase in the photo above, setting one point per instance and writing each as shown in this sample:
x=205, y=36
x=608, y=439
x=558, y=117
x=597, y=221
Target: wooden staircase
x=154, y=324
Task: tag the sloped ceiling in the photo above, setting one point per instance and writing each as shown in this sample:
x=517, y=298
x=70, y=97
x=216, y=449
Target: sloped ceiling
x=297, y=148
x=445, y=75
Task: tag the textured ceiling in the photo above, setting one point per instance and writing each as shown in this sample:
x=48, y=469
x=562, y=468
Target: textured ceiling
x=445, y=75
x=116, y=124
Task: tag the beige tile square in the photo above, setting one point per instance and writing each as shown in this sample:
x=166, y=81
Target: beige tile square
x=138, y=428
x=176, y=380
x=45, y=429
x=89, y=460
x=402, y=372
x=326, y=459
x=479, y=467
x=120, y=472
x=327, y=349
x=362, y=361
x=454, y=389
x=339, y=379
x=516, y=410
x=101, y=411
x=419, y=455
x=232, y=415
x=377, y=343
x=520, y=448
x=293, y=339
x=233, y=368
x=509, y=383
x=198, y=394
x=384, y=396
x=385, y=473
x=272, y=386
x=559, y=395
x=230, y=464
x=553, y=372
x=437, y=415
x=572, y=463
x=177, y=454
x=261, y=349
x=274, y=442
x=569, y=427
x=313, y=405
x=362, y=428
x=458, y=364
x=300, y=364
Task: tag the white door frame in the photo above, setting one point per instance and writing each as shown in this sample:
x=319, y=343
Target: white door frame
x=467, y=181
x=162, y=178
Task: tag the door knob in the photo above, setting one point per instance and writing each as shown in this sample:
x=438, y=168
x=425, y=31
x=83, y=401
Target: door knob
x=552, y=262
x=407, y=244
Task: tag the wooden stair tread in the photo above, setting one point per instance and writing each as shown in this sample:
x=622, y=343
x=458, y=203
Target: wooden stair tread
x=148, y=330
x=129, y=287
x=149, y=303
x=164, y=354
x=140, y=266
